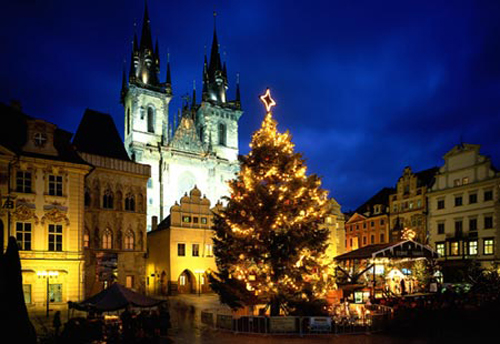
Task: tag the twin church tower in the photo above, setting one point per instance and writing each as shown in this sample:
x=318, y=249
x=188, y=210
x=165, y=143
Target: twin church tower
x=198, y=146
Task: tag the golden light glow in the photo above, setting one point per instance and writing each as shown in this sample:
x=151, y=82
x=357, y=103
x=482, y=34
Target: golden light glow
x=267, y=100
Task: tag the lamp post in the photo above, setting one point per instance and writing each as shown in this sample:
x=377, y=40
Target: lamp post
x=199, y=272
x=47, y=275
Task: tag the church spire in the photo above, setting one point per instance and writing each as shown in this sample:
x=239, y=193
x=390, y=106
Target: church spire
x=146, y=40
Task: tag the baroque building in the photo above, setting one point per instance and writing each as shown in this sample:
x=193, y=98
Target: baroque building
x=464, y=210
x=114, y=233
x=369, y=224
x=408, y=205
x=181, y=248
x=198, y=146
x=42, y=179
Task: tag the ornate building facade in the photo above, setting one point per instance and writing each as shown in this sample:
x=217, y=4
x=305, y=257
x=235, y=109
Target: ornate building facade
x=198, y=146
x=42, y=180
x=408, y=205
x=464, y=209
x=369, y=224
x=114, y=234
x=181, y=248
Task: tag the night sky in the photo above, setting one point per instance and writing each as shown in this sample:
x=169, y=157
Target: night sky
x=365, y=87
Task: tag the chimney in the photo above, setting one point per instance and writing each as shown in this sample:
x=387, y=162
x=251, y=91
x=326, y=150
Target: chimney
x=154, y=223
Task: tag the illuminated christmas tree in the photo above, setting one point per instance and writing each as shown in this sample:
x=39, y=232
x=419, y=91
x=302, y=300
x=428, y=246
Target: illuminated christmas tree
x=269, y=243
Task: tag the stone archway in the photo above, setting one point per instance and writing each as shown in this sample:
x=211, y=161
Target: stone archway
x=186, y=282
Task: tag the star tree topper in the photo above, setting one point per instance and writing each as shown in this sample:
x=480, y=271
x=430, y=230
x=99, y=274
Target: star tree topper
x=267, y=100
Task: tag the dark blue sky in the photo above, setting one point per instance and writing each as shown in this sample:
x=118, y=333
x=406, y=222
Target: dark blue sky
x=365, y=87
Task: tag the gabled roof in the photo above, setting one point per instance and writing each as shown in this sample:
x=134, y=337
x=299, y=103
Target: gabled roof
x=97, y=134
x=400, y=249
x=426, y=177
x=14, y=135
x=186, y=137
x=381, y=197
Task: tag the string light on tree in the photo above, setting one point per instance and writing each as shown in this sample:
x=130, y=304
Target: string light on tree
x=269, y=246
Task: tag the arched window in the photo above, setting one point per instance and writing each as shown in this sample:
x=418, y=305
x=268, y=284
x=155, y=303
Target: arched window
x=151, y=120
x=129, y=240
x=86, y=238
x=107, y=200
x=222, y=134
x=130, y=203
x=107, y=240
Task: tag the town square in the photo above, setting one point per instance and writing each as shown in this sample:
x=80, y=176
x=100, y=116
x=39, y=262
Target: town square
x=250, y=172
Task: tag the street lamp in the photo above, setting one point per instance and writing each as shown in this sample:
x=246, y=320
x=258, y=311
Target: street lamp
x=199, y=272
x=47, y=275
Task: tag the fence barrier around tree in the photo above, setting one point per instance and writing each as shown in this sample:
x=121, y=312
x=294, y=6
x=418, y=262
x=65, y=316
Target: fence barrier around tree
x=374, y=319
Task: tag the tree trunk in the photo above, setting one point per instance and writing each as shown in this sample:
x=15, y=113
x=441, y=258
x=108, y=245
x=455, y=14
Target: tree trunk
x=275, y=307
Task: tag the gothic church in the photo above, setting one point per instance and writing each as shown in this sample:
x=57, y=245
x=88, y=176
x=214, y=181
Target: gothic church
x=196, y=147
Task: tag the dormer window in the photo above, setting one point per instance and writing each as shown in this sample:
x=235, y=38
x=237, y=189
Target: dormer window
x=40, y=139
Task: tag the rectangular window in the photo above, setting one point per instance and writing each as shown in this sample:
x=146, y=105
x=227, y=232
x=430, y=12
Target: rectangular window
x=465, y=180
x=419, y=203
x=372, y=223
x=458, y=201
x=204, y=220
x=55, y=185
x=440, y=204
x=473, y=248
x=186, y=219
x=196, y=250
x=23, y=235
x=372, y=239
x=472, y=224
x=364, y=240
x=382, y=222
x=129, y=281
x=27, y=293
x=472, y=198
x=55, y=238
x=209, y=250
x=488, y=222
x=440, y=227
x=454, y=248
x=456, y=182
x=440, y=249
x=382, y=238
x=181, y=249
x=195, y=219
x=489, y=246
x=55, y=293
x=488, y=195
x=23, y=181
x=458, y=228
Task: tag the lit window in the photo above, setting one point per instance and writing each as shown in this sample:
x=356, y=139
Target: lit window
x=440, y=249
x=472, y=248
x=55, y=238
x=454, y=248
x=55, y=293
x=23, y=181
x=465, y=180
x=489, y=246
x=129, y=281
x=86, y=239
x=27, y=293
x=55, y=185
x=23, y=235
x=129, y=240
x=457, y=182
x=107, y=240
x=208, y=250
x=186, y=219
x=204, y=220
x=182, y=280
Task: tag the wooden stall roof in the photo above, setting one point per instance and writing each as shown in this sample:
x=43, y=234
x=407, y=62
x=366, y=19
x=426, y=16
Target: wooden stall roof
x=401, y=249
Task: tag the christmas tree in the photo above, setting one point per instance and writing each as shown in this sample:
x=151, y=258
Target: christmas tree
x=269, y=243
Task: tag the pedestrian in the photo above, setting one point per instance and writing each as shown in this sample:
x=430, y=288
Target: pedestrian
x=57, y=322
